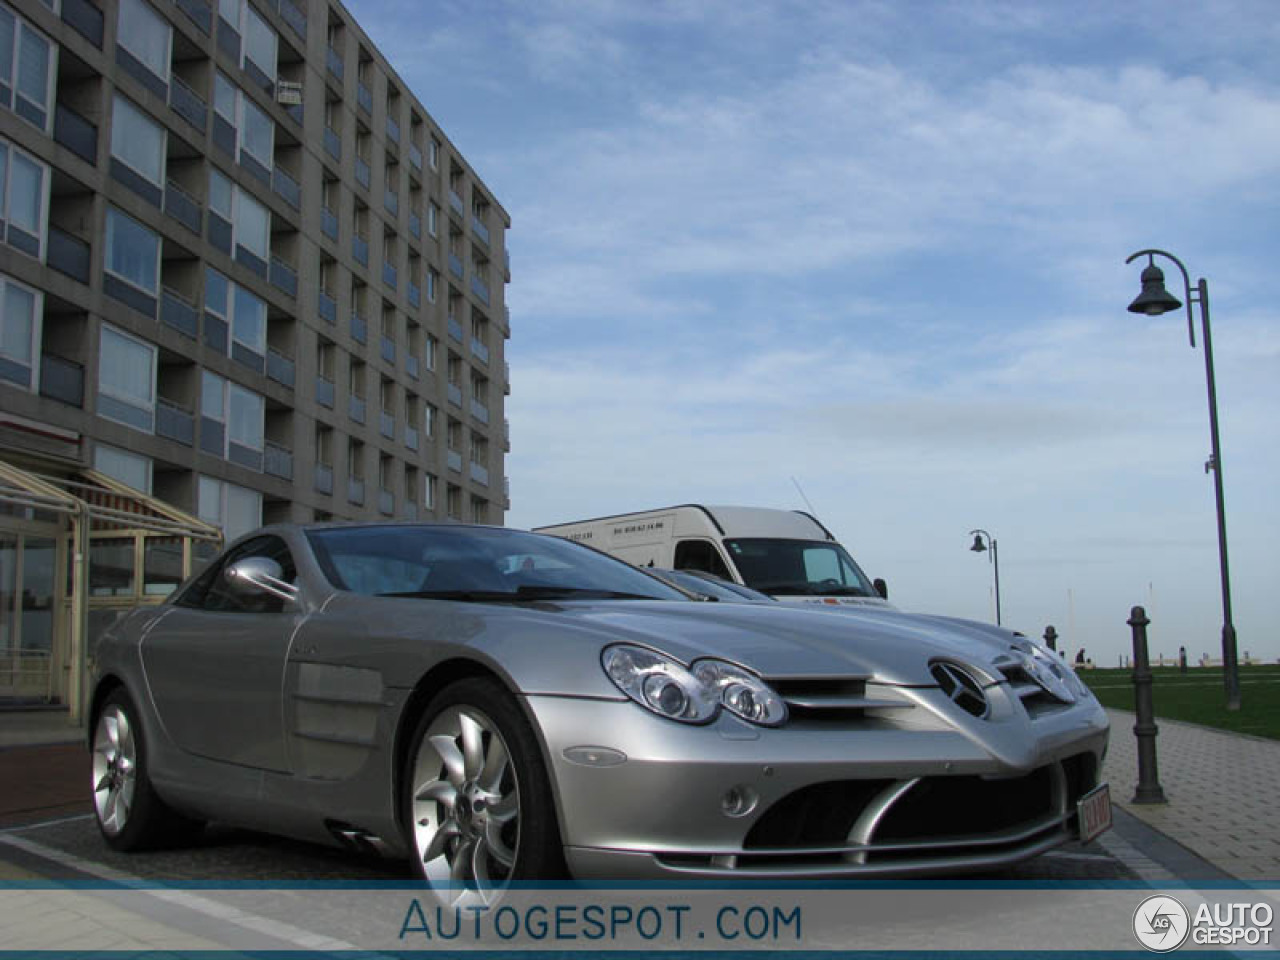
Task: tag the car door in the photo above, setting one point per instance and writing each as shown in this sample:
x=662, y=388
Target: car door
x=215, y=665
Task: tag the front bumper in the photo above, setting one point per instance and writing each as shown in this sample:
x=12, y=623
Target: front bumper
x=730, y=800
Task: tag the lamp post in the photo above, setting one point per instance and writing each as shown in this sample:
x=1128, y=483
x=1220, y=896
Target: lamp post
x=980, y=546
x=1153, y=301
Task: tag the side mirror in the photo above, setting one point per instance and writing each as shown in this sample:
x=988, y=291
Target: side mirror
x=882, y=588
x=254, y=575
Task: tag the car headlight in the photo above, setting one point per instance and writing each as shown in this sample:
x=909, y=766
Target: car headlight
x=691, y=694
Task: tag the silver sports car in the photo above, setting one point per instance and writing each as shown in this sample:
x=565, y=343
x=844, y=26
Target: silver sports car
x=500, y=706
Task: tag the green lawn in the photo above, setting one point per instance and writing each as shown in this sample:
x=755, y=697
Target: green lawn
x=1197, y=696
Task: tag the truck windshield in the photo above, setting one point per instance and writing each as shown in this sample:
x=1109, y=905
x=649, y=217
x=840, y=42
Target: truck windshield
x=810, y=567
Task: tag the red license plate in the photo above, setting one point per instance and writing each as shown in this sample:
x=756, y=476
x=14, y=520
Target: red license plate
x=1094, y=812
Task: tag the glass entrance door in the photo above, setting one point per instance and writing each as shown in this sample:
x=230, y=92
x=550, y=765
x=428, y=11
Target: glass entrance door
x=28, y=617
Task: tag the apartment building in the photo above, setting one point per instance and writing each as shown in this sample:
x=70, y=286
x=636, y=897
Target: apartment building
x=244, y=278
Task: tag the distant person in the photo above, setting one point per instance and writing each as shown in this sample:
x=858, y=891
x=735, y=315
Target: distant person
x=1080, y=655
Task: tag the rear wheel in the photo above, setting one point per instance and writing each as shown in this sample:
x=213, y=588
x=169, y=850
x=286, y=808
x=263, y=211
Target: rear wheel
x=478, y=802
x=130, y=813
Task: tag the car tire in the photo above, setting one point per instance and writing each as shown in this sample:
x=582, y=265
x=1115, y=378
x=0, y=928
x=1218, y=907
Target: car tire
x=130, y=814
x=478, y=808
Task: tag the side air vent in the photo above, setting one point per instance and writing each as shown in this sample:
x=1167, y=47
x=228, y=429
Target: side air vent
x=961, y=687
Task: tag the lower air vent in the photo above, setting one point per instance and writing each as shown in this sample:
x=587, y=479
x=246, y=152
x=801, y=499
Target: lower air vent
x=961, y=687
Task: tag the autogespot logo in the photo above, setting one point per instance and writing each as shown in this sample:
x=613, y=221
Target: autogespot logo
x=1161, y=923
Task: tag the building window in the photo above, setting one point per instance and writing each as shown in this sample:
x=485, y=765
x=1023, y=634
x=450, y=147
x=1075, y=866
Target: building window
x=429, y=492
x=26, y=69
x=132, y=252
x=235, y=509
x=433, y=153
x=20, y=314
x=126, y=379
x=429, y=421
x=24, y=196
x=129, y=468
x=239, y=411
x=259, y=45
x=250, y=220
x=255, y=131
x=146, y=35
x=433, y=219
x=244, y=313
x=429, y=352
x=137, y=141
x=433, y=281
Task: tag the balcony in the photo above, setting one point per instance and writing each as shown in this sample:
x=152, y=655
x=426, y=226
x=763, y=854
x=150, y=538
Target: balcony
x=355, y=491
x=479, y=411
x=280, y=368
x=506, y=436
x=479, y=229
x=506, y=379
x=364, y=98
x=389, y=275
x=332, y=143
x=362, y=172
x=329, y=223
x=286, y=187
x=284, y=277
x=479, y=473
x=411, y=365
x=359, y=328
x=175, y=423
x=479, y=351
x=415, y=225
x=183, y=207
x=391, y=200
x=333, y=60
x=411, y=437
x=388, y=349
x=61, y=380
x=355, y=408
x=177, y=312
x=454, y=460
x=386, y=502
x=85, y=19
x=415, y=156
x=322, y=478
x=455, y=265
x=393, y=130
x=278, y=461
x=360, y=250
x=327, y=307
x=324, y=392
x=409, y=511
x=455, y=394
x=188, y=104
x=455, y=328
x=387, y=424
x=480, y=288
x=456, y=204
x=415, y=294
x=75, y=133
x=67, y=254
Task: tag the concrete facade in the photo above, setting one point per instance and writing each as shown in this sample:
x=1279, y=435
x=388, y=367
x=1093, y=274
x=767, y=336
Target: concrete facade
x=309, y=273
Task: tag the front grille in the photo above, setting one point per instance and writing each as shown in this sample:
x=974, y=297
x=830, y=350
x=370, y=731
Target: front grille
x=1035, y=699
x=818, y=815
x=831, y=698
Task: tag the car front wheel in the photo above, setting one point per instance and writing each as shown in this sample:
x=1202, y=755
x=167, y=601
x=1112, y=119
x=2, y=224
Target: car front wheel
x=130, y=813
x=478, y=801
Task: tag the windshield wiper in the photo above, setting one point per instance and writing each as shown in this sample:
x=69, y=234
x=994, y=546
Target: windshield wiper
x=530, y=592
x=464, y=596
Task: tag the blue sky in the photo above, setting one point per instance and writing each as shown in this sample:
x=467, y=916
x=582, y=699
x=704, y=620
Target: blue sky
x=879, y=248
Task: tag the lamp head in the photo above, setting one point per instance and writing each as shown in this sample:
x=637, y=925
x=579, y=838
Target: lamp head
x=978, y=545
x=1154, y=298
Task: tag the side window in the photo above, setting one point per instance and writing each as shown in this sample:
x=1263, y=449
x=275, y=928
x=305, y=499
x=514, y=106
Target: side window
x=210, y=591
x=701, y=555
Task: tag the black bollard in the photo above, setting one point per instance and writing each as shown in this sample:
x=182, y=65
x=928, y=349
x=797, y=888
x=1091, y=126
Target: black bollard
x=1051, y=637
x=1149, y=789
x=1182, y=659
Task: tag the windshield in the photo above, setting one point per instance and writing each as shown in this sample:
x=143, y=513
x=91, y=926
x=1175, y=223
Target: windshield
x=811, y=567
x=475, y=564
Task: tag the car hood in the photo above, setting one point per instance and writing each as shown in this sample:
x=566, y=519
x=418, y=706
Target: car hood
x=783, y=641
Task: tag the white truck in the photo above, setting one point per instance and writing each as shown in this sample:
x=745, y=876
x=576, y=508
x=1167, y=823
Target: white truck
x=786, y=554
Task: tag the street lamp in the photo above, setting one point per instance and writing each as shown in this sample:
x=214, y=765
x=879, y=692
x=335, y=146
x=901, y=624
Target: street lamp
x=1153, y=301
x=980, y=546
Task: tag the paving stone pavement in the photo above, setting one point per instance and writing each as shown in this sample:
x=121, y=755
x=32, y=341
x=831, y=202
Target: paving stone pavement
x=1223, y=793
